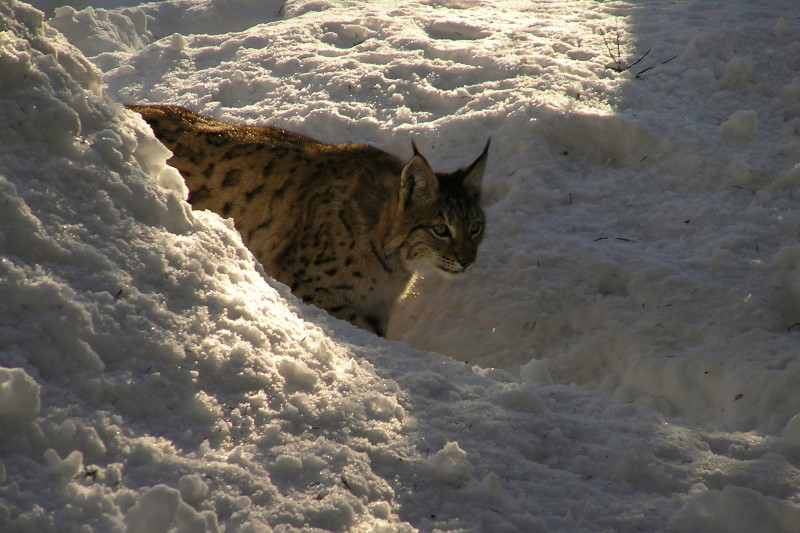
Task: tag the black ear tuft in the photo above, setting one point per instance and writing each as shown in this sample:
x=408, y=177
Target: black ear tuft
x=474, y=173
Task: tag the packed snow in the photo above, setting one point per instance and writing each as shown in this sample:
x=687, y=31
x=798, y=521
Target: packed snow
x=624, y=356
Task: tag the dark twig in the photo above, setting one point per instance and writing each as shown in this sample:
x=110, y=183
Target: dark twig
x=642, y=72
x=638, y=74
x=618, y=65
x=638, y=60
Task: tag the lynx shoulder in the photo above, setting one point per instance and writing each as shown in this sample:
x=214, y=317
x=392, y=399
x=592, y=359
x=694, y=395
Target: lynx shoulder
x=345, y=226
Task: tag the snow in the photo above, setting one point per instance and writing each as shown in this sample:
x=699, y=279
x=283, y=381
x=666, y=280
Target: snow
x=622, y=357
x=741, y=126
x=19, y=398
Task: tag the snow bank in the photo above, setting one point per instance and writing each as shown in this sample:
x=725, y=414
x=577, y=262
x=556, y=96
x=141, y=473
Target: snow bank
x=154, y=379
x=144, y=357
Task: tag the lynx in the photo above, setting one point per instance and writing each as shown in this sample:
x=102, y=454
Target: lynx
x=345, y=226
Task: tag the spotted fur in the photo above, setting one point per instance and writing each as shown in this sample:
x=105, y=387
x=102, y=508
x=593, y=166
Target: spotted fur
x=344, y=226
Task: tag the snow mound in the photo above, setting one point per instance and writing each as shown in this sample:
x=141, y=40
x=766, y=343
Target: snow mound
x=19, y=398
x=97, y=32
x=126, y=316
x=740, y=126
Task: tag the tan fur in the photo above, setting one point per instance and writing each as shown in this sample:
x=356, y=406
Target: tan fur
x=345, y=226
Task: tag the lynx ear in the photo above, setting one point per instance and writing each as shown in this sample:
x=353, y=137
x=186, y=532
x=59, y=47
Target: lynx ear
x=418, y=183
x=473, y=175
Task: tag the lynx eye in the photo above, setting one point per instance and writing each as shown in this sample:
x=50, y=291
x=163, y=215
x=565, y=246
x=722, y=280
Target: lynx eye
x=441, y=230
x=476, y=228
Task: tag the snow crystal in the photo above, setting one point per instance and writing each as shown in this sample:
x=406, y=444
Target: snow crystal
x=193, y=489
x=449, y=465
x=287, y=466
x=782, y=29
x=738, y=73
x=154, y=512
x=740, y=126
x=792, y=90
x=64, y=469
x=19, y=397
x=298, y=374
x=735, y=510
x=177, y=43
x=792, y=431
x=536, y=371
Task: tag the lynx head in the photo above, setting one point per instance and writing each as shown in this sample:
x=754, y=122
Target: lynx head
x=441, y=220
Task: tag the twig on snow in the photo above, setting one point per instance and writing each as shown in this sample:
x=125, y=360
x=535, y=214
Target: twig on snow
x=618, y=65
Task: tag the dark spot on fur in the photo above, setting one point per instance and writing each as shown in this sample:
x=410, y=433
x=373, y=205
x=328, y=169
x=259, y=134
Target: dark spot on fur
x=322, y=258
x=279, y=151
x=216, y=139
x=375, y=324
x=263, y=225
x=231, y=178
x=279, y=192
x=199, y=195
x=209, y=170
x=229, y=155
x=248, y=196
x=380, y=258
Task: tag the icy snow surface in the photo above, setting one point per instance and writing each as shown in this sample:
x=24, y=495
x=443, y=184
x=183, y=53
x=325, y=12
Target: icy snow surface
x=624, y=357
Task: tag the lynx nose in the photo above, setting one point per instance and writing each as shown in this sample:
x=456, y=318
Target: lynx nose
x=466, y=262
x=465, y=256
